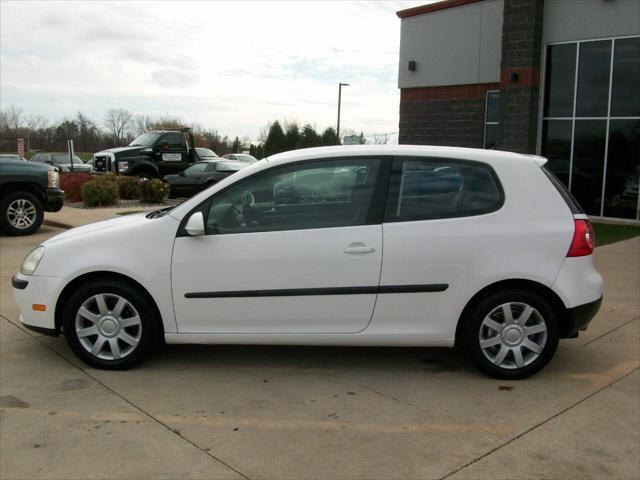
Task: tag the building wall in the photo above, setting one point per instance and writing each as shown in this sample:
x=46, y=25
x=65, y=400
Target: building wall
x=456, y=46
x=450, y=115
x=567, y=20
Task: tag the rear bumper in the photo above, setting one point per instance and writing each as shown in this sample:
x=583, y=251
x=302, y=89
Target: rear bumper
x=578, y=318
x=53, y=199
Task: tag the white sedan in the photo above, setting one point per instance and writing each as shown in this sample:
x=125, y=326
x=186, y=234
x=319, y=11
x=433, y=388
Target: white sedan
x=362, y=245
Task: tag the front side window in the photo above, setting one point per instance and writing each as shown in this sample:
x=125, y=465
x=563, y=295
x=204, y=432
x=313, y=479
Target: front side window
x=427, y=189
x=318, y=194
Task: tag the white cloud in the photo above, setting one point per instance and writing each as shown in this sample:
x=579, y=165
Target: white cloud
x=225, y=65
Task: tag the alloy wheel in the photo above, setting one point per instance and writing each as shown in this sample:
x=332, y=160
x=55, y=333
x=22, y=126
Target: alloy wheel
x=513, y=335
x=21, y=213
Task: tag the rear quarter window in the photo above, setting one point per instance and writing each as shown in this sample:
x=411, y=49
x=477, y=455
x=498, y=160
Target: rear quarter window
x=430, y=188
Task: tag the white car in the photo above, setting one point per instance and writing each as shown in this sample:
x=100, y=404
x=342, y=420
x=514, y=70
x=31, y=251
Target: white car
x=359, y=245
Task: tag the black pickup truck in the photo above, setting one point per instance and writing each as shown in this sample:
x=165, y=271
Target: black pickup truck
x=27, y=190
x=151, y=155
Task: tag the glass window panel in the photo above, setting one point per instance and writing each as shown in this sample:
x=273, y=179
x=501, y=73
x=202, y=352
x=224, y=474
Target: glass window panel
x=623, y=169
x=560, y=80
x=594, y=67
x=490, y=136
x=556, y=146
x=493, y=106
x=625, y=94
x=588, y=164
x=318, y=194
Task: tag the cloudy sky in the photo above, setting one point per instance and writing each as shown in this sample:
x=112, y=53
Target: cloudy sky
x=232, y=66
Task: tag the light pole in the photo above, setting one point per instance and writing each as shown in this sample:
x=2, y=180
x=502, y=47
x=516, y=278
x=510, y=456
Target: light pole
x=340, y=85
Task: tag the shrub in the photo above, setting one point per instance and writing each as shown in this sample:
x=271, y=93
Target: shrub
x=128, y=188
x=72, y=184
x=153, y=191
x=100, y=191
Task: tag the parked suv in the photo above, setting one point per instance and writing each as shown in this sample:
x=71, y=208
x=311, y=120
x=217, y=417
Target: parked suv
x=151, y=155
x=27, y=190
x=353, y=245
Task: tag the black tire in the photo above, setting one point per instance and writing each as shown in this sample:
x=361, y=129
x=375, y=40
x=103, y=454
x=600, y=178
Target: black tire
x=473, y=328
x=11, y=226
x=111, y=289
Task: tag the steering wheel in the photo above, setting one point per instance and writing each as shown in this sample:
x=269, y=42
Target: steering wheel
x=248, y=199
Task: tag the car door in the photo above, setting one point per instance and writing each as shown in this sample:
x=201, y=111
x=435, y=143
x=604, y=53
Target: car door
x=173, y=152
x=294, y=249
x=440, y=240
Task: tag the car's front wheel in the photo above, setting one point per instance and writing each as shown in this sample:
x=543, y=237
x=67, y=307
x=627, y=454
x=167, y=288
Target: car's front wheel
x=511, y=334
x=109, y=324
x=21, y=213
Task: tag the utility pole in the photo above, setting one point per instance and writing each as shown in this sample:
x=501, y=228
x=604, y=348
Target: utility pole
x=340, y=85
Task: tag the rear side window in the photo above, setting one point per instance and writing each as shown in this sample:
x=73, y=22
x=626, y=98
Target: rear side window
x=427, y=189
x=572, y=203
x=174, y=139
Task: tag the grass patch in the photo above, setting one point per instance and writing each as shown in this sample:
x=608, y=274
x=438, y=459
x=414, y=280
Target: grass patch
x=129, y=213
x=607, y=233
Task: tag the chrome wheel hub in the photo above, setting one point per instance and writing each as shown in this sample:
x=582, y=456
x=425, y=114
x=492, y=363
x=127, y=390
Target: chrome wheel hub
x=513, y=335
x=108, y=326
x=21, y=213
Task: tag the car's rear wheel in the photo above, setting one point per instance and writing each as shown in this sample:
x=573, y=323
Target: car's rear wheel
x=109, y=324
x=511, y=334
x=21, y=213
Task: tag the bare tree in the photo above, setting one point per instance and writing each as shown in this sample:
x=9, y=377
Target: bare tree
x=118, y=121
x=14, y=117
x=141, y=124
x=36, y=122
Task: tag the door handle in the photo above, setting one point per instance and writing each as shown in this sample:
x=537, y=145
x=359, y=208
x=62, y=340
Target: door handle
x=357, y=248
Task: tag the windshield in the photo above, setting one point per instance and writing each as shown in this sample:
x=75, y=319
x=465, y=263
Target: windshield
x=205, y=152
x=247, y=158
x=145, y=140
x=63, y=159
x=228, y=166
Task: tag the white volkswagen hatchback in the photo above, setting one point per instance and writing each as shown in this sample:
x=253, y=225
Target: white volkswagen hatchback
x=398, y=246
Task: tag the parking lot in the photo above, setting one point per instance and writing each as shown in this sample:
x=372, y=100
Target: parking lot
x=319, y=412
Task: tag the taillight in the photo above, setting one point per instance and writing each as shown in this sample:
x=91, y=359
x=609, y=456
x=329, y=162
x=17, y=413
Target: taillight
x=583, y=239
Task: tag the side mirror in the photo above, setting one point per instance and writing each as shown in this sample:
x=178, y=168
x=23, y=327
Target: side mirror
x=195, y=225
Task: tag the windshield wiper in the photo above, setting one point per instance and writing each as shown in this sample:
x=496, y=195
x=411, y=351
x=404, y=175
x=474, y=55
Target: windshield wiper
x=159, y=213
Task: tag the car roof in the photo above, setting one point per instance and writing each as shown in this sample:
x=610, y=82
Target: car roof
x=477, y=154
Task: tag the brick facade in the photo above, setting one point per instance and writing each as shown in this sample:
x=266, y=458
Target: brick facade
x=520, y=75
x=451, y=115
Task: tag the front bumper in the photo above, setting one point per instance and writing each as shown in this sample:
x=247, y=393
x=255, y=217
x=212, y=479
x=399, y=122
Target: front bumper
x=54, y=199
x=578, y=318
x=33, y=289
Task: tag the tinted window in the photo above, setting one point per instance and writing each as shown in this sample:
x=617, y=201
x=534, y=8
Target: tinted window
x=593, y=79
x=228, y=166
x=556, y=146
x=174, y=139
x=423, y=189
x=588, y=163
x=318, y=194
x=195, y=169
x=625, y=99
x=623, y=170
x=145, y=140
x=559, y=80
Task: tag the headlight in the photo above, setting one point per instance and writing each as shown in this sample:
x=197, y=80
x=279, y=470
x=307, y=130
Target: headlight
x=54, y=179
x=123, y=166
x=31, y=261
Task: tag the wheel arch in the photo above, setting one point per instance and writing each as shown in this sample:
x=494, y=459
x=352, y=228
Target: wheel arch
x=547, y=293
x=86, y=277
x=145, y=167
x=32, y=188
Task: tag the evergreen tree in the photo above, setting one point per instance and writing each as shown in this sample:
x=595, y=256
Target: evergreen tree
x=309, y=137
x=329, y=137
x=293, y=136
x=235, y=148
x=276, y=141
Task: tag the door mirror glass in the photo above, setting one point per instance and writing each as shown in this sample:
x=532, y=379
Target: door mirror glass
x=195, y=225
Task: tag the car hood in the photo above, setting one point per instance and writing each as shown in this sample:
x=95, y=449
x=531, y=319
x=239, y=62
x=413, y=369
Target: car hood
x=79, y=166
x=120, y=222
x=118, y=150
